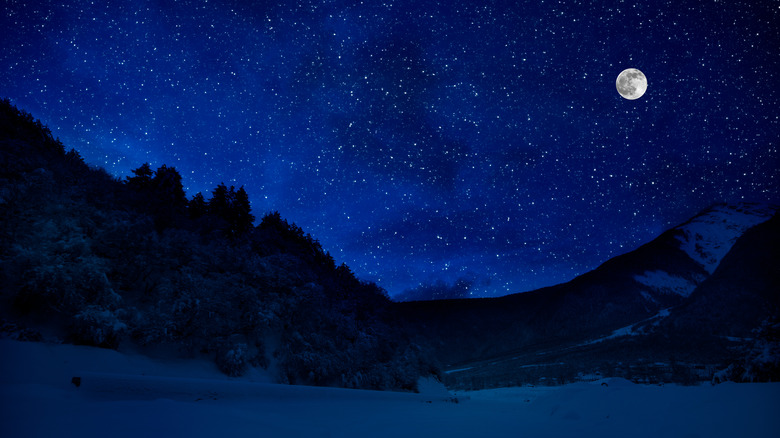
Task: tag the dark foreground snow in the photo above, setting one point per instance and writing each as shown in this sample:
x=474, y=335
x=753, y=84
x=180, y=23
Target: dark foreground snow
x=123, y=395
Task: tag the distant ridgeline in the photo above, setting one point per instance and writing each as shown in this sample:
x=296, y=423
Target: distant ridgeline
x=91, y=259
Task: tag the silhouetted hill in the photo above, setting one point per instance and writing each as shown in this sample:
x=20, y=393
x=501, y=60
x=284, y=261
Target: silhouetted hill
x=91, y=259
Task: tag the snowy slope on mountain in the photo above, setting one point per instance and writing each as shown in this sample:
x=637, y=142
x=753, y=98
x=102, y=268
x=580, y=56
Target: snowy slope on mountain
x=708, y=237
x=666, y=283
x=742, y=294
x=637, y=329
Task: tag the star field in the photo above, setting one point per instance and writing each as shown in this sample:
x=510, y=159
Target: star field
x=476, y=144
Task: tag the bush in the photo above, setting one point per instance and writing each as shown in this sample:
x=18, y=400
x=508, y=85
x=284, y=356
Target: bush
x=760, y=362
x=98, y=327
x=56, y=284
x=233, y=359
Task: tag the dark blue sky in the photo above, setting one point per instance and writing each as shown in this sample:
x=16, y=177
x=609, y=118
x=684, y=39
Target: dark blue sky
x=481, y=145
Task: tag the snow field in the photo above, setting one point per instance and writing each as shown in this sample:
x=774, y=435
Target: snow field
x=663, y=282
x=192, y=399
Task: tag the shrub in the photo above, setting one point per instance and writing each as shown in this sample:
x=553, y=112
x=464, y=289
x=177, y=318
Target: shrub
x=97, y=326
x=233, y=359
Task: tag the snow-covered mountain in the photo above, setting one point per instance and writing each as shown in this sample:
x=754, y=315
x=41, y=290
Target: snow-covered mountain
x=714, y=271
x=706, y=239
x=709, y=236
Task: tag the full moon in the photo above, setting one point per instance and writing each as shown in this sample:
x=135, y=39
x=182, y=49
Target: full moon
x=631, y=83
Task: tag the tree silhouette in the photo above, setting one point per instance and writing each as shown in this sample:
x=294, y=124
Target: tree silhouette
x=167, y=187
x=142, y=179
x=242, y=213
x=197, y=207
x=233, y=207
x=159, y=193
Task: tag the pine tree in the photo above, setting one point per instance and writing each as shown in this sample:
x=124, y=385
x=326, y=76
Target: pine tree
x=242, y=215
x=159, y=193
x=233, y=207
x=197, y=207
x=168, y=188
x=219, y=202
x=142, y=179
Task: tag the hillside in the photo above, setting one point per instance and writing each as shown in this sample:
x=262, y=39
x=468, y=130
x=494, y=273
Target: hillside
x=89, y=259
x=700, y=298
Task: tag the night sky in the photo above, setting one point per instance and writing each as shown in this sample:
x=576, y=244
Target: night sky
x=480, y=147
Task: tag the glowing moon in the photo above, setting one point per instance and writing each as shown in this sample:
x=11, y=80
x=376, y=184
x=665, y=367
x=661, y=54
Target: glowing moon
x=631, y=83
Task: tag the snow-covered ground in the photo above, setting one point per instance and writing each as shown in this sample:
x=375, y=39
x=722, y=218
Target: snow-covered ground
x=126, y=395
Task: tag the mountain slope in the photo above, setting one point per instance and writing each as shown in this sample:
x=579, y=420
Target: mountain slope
x=742, y=291
x=706, y=239
x=710, y=235
x=629, y=297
